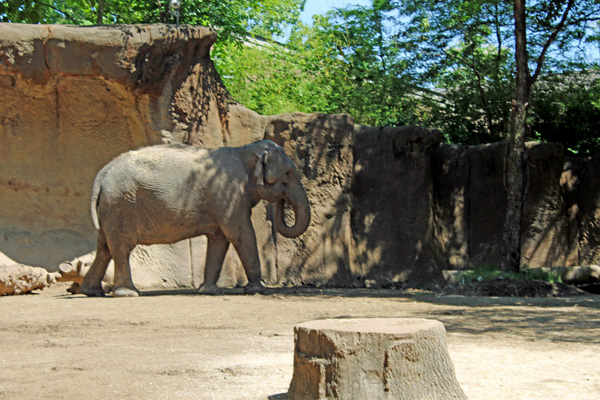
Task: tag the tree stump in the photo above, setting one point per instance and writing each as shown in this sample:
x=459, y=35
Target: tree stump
x=372, y=358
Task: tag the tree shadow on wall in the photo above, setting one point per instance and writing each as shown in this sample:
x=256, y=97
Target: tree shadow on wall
x=392, y=210
x=321, y=147
x=201, y=107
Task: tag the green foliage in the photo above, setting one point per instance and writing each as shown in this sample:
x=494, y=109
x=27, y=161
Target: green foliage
x=476, y=102
x=337, y=65
x=466, y=50
x=270, y=79
x=488, y=272
x=233, y=18
x=371, y=80
x=443, y=64
x=566, y=109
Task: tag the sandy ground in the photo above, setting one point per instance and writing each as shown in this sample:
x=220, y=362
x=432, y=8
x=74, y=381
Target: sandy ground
x=178, y=345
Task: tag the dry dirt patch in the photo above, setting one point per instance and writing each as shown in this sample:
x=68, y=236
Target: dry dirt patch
x=177, y=345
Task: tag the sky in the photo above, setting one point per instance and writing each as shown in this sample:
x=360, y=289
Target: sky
x=313, y=7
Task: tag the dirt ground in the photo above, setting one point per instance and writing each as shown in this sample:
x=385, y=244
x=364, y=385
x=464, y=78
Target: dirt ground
x=178, y=345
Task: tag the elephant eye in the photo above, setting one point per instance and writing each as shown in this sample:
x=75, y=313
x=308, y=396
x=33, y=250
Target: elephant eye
x=288, y=176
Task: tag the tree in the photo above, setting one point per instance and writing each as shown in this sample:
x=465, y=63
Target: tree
x=567, y=103
x=550, y=22
x=233, y=18
x=515, y=157
x=444, y=64
x=269, y=78
x=342, y=63
x=453, y=35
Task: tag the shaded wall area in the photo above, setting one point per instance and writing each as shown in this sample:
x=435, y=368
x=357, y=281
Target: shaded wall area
x=421, y=206
x=560, y=213
x=390, y=206
x=392, y=209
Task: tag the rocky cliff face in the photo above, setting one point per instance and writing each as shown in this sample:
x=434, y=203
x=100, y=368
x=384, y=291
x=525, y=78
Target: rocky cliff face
x=75, y=97
x=559, y=223
x=390, y=206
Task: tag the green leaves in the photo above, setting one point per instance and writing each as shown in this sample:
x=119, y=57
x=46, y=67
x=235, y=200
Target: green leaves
x=233, y=18
x=566, y=109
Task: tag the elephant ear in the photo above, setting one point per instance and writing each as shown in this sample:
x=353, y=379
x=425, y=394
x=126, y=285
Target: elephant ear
x=259, y=169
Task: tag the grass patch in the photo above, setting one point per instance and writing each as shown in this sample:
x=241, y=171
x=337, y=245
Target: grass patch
x=487, y=272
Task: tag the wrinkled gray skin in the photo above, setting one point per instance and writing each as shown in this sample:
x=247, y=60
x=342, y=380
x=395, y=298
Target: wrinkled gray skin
x=166, y=193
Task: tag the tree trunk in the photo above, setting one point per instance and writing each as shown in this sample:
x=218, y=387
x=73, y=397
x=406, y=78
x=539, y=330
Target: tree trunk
x=100, y=12
x=515, y=158
x=515, y=189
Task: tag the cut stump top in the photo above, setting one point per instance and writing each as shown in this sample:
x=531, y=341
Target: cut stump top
x=390, y=326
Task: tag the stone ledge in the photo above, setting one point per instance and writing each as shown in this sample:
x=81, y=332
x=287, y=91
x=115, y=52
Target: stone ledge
x=113, y=52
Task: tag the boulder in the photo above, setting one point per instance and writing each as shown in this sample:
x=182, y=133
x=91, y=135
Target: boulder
x=578, y=275
x=22, y=279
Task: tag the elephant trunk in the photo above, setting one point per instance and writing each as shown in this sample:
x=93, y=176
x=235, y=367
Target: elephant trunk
x=299, y=202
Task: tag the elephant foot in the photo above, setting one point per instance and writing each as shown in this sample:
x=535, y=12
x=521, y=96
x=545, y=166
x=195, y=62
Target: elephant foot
x=107, y=288
x=75, y=288
x=90, y=291
x=125, y=292
x=209, y=289
x=255, y=288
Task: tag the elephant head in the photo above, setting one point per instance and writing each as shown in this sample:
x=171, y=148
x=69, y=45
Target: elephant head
x=277, y=180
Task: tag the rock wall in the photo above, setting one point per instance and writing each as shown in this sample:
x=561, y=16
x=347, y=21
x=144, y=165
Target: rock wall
x=392, y=213
x=389, y=206
x=560, y=213
x=75, y=97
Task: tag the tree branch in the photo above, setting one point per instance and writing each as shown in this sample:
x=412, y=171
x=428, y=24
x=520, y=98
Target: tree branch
x=480, y=89
x=498, y=38
x=59, y=11
x=551, y=39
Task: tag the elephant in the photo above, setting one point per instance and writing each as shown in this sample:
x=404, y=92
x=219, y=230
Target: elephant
x=169, y=192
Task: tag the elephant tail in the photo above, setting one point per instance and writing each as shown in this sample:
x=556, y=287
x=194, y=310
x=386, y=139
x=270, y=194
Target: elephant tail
x=96, y=190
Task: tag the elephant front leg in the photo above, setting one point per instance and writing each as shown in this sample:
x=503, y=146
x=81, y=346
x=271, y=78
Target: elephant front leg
x=244, y=241
x=215, y=254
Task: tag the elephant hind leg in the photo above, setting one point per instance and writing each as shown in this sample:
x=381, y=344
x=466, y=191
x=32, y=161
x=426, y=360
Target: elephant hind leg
x=92, y=283
x=123, y=286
